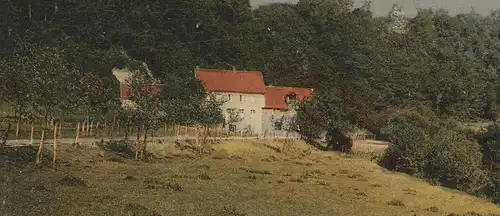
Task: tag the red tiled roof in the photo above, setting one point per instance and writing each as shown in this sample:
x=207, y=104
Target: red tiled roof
x=251, y=82
x=276, y=96
x=126, y=92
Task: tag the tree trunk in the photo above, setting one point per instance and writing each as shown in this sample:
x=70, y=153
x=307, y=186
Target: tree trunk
x=40, y=148
x=32, y=134
x=137, y=144
x=98, y=130
x=5, y=137
x=144, y=145
x=83, y=128
x=54, y=146
x=118, y=128
x=165, y=130
x=106, y=132
x=91, y=129
x=18, y=127
x=87, y=127
x=113, y=126
x=197, y=137
x=127, y=130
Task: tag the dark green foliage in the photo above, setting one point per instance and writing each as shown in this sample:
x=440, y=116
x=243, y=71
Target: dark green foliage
x=490, y=146
x=124, y=148
x=309, y=121
x=17, y=156
x=338, y=141
x=423, y=147
x=56, y=61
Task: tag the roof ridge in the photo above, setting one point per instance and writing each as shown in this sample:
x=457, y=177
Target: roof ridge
x=226, y=70
x=272, y=86
x=221, y=80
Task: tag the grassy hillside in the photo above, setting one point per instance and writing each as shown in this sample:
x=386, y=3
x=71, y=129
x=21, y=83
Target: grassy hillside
x=250, y=178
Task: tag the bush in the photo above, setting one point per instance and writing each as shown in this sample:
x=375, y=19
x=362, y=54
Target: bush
x=411, y=144
x=490, y=146
x=338, y=141
x=427, y=149
x=309, y=121
x=124, y=148
x=457, y=162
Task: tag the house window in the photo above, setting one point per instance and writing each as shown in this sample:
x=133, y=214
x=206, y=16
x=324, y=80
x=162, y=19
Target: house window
x=242, y=99
x=252, y=111
x=291, y=99
x=228, y=97
x=242, y=113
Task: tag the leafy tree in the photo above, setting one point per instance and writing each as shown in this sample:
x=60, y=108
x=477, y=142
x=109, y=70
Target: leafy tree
x=424, y=147
x=208, y=114
x=233, y=116
x=146, y=107
x=48, y=85
x=491, y=159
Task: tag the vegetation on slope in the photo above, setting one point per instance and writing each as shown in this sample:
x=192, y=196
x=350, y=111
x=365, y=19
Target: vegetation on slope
x=237, y=178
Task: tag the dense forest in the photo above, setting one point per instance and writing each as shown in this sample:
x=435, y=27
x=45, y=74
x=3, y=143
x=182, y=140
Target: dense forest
x=409, y=79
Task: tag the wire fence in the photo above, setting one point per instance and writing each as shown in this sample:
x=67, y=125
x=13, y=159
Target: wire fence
x=110, y=130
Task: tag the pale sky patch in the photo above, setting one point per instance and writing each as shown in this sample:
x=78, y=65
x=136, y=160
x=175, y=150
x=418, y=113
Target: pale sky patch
x=382, y=7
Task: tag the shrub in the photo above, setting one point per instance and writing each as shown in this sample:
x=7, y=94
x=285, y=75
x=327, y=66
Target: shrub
x=308, y=121
x=457, y=162
x=423, y=147
x=433, y=209
x=396, y=203
x=338, y=141
x=124, y=148
x=410, y=146
x=490, y=146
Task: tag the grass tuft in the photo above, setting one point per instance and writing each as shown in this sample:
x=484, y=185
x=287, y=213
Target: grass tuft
x=72, y=181
x=396, y=203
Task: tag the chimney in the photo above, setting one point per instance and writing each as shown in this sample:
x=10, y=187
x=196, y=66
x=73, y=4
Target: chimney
x=196, y=70
x=234, y=69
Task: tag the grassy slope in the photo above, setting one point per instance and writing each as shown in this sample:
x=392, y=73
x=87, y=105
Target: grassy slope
x=237, y=179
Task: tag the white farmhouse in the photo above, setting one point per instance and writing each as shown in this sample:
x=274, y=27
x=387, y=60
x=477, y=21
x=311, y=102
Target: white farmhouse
x=243, y=93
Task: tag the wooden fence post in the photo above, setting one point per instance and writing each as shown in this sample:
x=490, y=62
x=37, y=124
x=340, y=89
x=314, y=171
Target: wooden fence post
x=166, y=134
x=17, y=129
x=39, y=154
x=54, y=146
x=77, y=134
x=92, y=127
x=87, y=128
x=179, y=129
x=83, y=127
x=113, y=126
x=31, y=134
x=98, y=130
